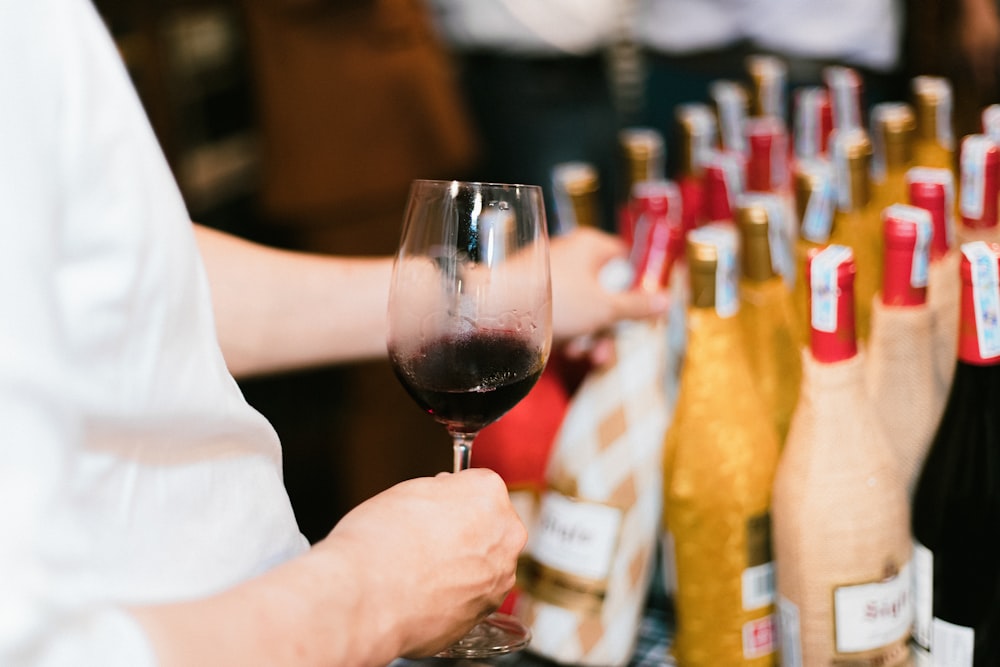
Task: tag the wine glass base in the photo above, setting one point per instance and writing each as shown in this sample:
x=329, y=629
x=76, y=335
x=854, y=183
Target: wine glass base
x=496, y=634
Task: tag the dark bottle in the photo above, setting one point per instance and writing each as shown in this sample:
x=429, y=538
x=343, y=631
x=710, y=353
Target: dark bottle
x=956, y=507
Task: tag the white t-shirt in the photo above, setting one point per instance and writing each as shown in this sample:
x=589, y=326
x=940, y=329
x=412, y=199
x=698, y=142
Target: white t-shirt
x=856, y=32
x=131, y=468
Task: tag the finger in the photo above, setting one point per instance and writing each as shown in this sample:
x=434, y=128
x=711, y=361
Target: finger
x=635, y=305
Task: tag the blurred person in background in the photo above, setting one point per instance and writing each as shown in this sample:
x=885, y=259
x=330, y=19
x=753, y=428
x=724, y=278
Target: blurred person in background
x=959, y=40
x=539, y=80
x=145, y=520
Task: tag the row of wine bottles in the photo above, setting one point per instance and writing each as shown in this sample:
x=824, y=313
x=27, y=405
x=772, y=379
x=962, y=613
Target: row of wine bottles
x=809, y=439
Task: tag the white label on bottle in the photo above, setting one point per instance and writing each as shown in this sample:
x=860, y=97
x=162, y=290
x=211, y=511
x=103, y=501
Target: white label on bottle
x=952, y=645
x=723, y=238
x=758, y=586
x=825, y=291
x=759, y=637
x=985, y=296
x=973, y=171
x=788, y=633
x=991, y=122
x=818, y=217
x=575, y=537
x=869, y=616
x=923, y=594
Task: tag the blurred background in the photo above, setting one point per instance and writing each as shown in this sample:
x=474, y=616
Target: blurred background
x=300, y=123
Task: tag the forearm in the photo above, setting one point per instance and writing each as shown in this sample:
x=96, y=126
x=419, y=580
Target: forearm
x=303, y=613
x=278, y=310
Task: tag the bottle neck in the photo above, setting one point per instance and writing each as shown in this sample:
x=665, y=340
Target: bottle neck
x=897, y=279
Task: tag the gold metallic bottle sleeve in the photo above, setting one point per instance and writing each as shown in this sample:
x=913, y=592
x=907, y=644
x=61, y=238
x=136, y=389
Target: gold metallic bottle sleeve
x=720, y=455
x=766, y=313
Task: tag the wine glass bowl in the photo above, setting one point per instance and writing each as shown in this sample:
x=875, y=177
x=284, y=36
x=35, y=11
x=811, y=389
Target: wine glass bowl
x=470, y=322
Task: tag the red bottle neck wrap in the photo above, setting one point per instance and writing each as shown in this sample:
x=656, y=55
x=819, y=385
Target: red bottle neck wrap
x=907, y=231
x=980, y=168
x=767, y=161
x=934, y=191
x=830, y=272
x=979, y=319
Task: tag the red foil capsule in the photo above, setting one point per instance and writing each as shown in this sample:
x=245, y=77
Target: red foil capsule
x=767, y=156
x=934, y=191
x=908, y=231
x=979, y=319
x=980, y=167
x=830, y=272
x=723, y=184
x=659, y=235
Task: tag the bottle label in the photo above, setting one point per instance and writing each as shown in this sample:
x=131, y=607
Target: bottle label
x=575, y=537
x=973, y=171
x=788, y=633
x=825, y=291
x=985, y=297
x=952, y=645
x=923, y=594
x=870, y=616
x=818, y=217
x=759, y=637
x=921, y=219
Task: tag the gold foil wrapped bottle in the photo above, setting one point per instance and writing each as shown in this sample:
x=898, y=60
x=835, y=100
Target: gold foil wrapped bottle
x=934, y=143
x=720, y=455
x=856, y=222
x=766, y=311
x=841, y=516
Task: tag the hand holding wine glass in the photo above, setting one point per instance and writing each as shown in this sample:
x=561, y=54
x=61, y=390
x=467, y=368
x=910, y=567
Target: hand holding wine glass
x=470, y=322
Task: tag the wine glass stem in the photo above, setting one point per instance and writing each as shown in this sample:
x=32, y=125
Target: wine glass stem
x=463, y=450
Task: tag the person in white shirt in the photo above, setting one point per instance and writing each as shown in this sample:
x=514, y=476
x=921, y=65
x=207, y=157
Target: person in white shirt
x=143, y=519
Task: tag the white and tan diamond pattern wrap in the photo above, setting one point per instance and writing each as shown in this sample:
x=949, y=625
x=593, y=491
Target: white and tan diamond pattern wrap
x=609, y=451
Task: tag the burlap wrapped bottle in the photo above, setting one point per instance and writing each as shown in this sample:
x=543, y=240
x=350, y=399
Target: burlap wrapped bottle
x=840, y=512
x=901, y=375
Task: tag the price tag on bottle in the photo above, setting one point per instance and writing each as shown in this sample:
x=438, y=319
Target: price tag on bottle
x=825, y=290
x=985, y=297
x=818, y=217
x=973, y=170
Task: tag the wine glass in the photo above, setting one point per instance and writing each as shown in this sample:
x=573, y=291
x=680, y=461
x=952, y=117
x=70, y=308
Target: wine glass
x=470, y=324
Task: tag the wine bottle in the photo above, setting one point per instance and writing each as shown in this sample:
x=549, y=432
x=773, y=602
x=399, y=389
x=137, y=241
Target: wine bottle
x=934, y=191
x=768, y=86
x=842, y=549
x=576, y=188
x=813, y=122
x=990, y=118
x=589, y=558
x=893, y=125
x=767, y=154
x=856, y=223
x=643, y=158
x=721, y=450
x=518, y=445
x=697, y=136
x=724, y=182
x=846, y=96
x=956, y=508
x=979, y=173
x=815, y=201
x=766, y=312
x=731, y=102
x=934, y=143
x=902, y=377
